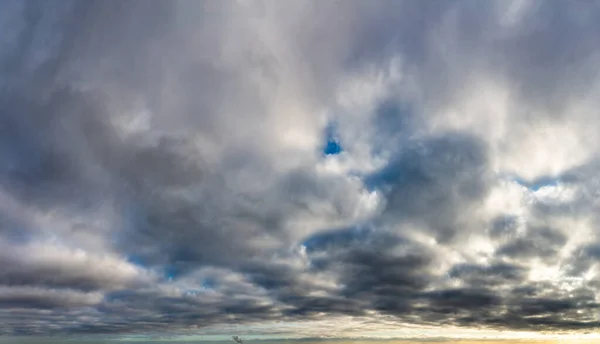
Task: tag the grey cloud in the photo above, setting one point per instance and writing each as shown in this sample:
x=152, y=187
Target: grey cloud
x=446, y=173
x=33, y=297
x=542, y=242
x=555, y=35
x=71, y=270
x=200, y=123
x=496, y=274
x=503, y=227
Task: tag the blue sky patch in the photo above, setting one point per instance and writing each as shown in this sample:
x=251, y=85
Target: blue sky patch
x=208, y=283
x=537, y=183
x=332, y=146
x=171, y=273
x=135, y=260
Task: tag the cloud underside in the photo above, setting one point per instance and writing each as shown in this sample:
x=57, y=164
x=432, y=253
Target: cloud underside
x=176, y=166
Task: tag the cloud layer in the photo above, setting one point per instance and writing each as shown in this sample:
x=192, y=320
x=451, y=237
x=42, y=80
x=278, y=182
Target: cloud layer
x=179, y=167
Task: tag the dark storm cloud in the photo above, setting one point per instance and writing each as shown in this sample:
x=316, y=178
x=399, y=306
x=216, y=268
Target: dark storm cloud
x=370, y=270
x=161, y=166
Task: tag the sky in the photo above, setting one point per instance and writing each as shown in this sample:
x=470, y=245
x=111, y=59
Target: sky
x=413, y=170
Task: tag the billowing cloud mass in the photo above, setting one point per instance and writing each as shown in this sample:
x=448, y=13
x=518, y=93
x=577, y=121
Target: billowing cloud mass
x=182, y=167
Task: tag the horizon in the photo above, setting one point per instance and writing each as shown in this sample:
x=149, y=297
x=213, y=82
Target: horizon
x=21, y=340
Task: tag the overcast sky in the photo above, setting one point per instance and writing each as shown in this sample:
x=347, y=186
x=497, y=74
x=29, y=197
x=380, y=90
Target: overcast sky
x=300, y=169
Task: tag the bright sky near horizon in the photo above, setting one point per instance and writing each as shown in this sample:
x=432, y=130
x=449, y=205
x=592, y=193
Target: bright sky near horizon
x=405, y=341
x=332, y=169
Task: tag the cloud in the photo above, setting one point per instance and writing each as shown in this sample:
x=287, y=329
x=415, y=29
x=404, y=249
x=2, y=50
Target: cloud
x=172, y=168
